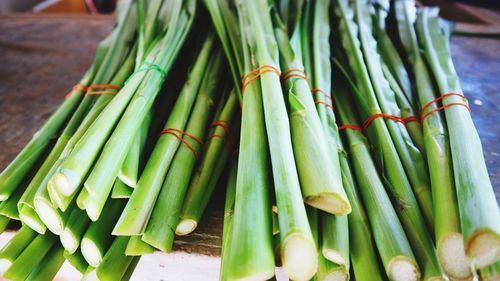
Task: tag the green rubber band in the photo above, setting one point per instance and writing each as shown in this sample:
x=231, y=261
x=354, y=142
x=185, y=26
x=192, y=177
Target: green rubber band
x=148, y=66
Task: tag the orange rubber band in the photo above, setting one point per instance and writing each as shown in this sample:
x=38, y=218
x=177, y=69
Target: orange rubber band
x=101, y=87
x=216, y=136
x=370, y=119
x=318, y=90
x=325, y=104
x=254, y=74
x=76, y=88
x=350, y=126
x=221, y=123
x=173, y=132
x=410, y=119
x=423, y=116
x=293, y=73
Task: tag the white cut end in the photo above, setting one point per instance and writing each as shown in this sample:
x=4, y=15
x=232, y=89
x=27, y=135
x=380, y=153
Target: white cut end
x=299, y=256
x=338, y=275
x=91, y=209
x=334, y=256
x=90, y=252
x=331, y=203
x=401, y=269
x=33, y=224
x=68, y=241
x=62, y=184
x=185, y=227
x=484, y=248
x=49, y=216
x=452, y=257
x=4, y=265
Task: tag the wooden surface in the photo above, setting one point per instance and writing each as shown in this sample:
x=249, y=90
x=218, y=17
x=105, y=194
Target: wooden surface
x=42, y=57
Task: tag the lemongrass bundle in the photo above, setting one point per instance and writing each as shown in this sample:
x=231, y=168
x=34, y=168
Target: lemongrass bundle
x=448, y=235
x=477, y=205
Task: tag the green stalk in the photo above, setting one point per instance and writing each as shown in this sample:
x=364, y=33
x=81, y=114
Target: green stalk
x=393, y=246
x=137, y=247
x=31, y=256
x=394, y=176
x=298, y=249
x=228, y=219
x=100, y=181
x=139, y=207
x=327, y=270
x=115, y=263
x=335, y=239
x=129, y=172
x=411, y=158
x=448, y=235
x=396, y=74
x=98, y=238
x=318, y=170
x=77, y=260
x=74, y=229
x=160, y=230
x=4, y=222
x=477, y=205
x=491, y=272
x=13, y=174
x=214, y=159
x=48, y=268
x=121, y=190
x=25, y=204
x=130, y=269
x=15, y=247
x=362, y=250
x=412, y=125
x=9, y=209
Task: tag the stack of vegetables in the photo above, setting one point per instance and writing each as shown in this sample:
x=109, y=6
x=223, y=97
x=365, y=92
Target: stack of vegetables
x=349, y=150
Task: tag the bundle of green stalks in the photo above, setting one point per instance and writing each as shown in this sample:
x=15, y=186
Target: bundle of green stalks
x=344, y=142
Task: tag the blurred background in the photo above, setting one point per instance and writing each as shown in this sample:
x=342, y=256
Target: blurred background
x=58, y=6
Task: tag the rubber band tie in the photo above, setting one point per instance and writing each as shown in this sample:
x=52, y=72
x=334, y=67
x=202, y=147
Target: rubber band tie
x=445, y=105
x=174, y=132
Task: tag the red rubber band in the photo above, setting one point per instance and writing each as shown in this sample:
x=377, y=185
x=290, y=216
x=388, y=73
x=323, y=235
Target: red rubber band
x=76, y=88
x=102, y=92
x=221, y=123
x=216, y=136
x=293, y=73
x=173, y=132
x=318, y=90
x=325, y=104
x=370, y=119
x=256, y=73
x=410, y=119
x=423, y=116
x=350, y=126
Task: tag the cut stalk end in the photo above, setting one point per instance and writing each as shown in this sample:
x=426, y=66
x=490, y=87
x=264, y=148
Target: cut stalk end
x=332, y=203
x=452, y=257
x=36, y=225
x=68, y=241
x=4, y=265
x=334, y=257
x=299, y=256
x=483, y=248
x=185, y=227
x=403, y=269
x=62, y=184
x=49, y=216
x=127, y=180
x=91, y=252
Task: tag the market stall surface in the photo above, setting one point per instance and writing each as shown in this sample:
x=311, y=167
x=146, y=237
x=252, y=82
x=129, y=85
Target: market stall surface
x=43, y=56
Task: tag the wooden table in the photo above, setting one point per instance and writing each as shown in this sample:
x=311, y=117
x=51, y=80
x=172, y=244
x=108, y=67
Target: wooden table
x=42, y=57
